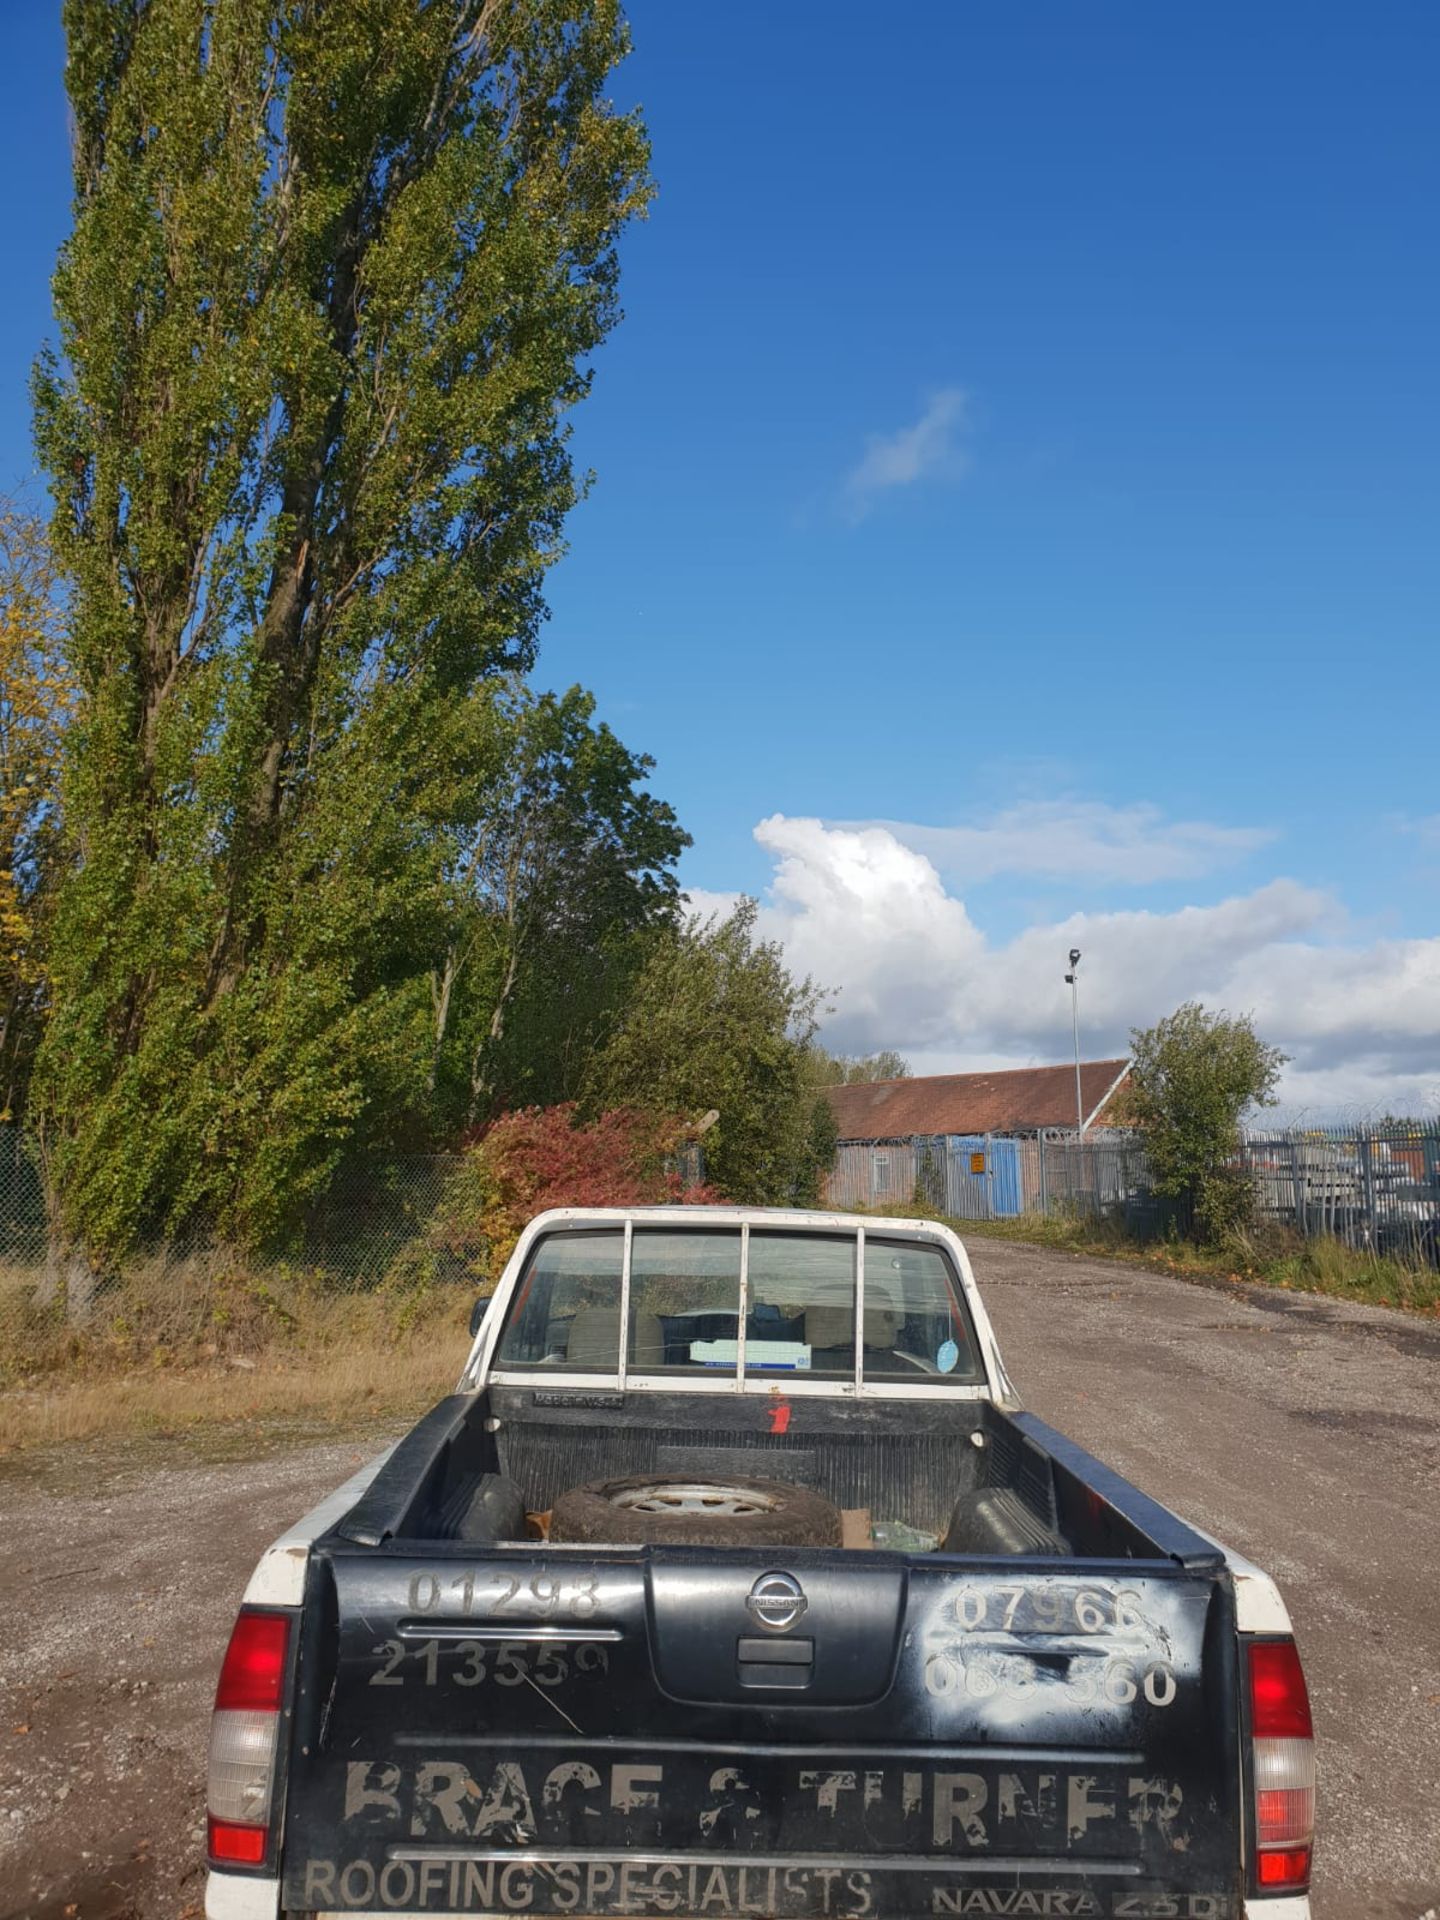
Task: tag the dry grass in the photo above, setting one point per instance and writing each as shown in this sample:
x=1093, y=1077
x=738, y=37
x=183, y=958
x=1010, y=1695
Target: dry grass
x=17, y=1290
x=338, y=1388
x=214, y=1343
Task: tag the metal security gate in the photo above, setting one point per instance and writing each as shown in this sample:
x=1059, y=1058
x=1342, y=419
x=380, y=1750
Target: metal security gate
x=1006, y=1193
x=983, y=1176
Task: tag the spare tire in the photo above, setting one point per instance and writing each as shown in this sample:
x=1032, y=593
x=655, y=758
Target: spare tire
x=654, y=1509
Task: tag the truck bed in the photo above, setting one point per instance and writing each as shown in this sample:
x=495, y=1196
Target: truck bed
x=490, y=1724
x=916, y=1472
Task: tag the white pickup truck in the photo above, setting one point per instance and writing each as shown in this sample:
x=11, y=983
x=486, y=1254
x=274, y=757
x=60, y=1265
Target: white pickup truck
x=733, y=1580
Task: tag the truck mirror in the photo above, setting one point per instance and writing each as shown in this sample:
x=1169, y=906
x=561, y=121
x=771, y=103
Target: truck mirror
x=478, y=1312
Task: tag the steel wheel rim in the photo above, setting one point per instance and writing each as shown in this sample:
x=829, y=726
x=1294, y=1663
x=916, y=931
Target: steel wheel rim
x=717, y=1498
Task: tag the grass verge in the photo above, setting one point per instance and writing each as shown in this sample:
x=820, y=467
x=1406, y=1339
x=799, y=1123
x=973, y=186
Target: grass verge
x=212, y=1344
x=1316, y=1265
x=356, y=1384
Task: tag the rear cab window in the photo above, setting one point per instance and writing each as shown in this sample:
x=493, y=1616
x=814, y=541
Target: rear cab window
x=684, y=1299
x=566, y=1309
x=693, y=1305
x=916, y=1321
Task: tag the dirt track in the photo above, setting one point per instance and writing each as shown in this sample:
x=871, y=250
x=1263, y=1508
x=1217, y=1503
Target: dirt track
x=1305, y=1432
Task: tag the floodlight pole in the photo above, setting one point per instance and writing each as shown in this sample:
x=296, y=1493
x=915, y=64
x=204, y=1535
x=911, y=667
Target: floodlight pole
x=1073, y=981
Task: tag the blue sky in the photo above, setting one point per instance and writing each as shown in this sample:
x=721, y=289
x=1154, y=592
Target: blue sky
x=1016, y=477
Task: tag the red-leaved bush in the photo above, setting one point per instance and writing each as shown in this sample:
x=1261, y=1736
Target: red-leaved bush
x=539, y=1157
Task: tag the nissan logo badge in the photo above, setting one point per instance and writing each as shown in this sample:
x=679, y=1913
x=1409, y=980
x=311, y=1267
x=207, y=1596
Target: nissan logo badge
x=777, y=1601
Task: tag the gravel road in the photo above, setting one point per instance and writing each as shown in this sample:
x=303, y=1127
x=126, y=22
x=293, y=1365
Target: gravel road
x=1303, y=1431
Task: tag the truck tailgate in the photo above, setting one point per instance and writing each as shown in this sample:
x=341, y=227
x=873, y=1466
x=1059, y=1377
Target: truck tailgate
x=702, y=1732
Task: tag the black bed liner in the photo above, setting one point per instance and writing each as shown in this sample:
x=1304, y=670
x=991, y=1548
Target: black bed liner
x=911, y=1461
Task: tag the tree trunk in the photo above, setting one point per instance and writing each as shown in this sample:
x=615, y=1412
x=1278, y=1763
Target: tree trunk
x=68, y=1277
x=51, y=1282
x=289, y=640
x=480, y=1070
x=441, y=989
x=81, y=1281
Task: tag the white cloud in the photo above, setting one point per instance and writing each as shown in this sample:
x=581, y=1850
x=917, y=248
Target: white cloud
x=1084, y=839
x=870, y=916
x=709, y=905
x=921, y=451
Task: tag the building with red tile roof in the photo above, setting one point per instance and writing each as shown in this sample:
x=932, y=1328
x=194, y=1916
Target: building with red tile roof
x=1020, y=1100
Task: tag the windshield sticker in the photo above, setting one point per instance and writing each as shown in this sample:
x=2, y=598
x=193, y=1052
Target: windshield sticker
x=948, y=1358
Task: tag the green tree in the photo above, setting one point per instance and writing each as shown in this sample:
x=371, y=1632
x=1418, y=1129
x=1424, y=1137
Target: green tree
x=36, y=704
x=1193, y=1077
x=821, y=1140
x=555, y=858
x=335, y=277
x=717, y=1021
x=850, y=1069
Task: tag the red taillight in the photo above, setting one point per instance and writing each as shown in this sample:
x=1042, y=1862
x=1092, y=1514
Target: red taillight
x=1283, y=1868
x=235, y=1844
x=244, y=1738
x=253, y=1672
x=1279, y=1702
x=1283, y=1762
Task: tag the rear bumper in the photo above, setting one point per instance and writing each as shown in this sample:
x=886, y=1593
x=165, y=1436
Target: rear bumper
x=243, y=1896
x=249, y=1896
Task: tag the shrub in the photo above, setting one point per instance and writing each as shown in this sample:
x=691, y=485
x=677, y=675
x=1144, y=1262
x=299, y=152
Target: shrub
x=1193, y=1076
x=539, y=1157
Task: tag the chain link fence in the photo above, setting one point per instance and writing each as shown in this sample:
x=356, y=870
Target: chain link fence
x=401, y=1230
x=404, y=1223
x=380, y=1217
x=1378, y=1190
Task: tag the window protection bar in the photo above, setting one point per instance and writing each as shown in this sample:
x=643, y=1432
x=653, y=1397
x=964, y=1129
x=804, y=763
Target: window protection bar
x=624, y=1365
x=859, y=1306
x=744, y=1306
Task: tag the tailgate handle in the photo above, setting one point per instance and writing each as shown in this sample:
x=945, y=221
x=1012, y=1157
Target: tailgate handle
x=778, y=1653
x=775, y=1663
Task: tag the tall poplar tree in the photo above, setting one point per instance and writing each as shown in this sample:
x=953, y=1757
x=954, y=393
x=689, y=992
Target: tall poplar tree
x=336, y=272
x=36, y=699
